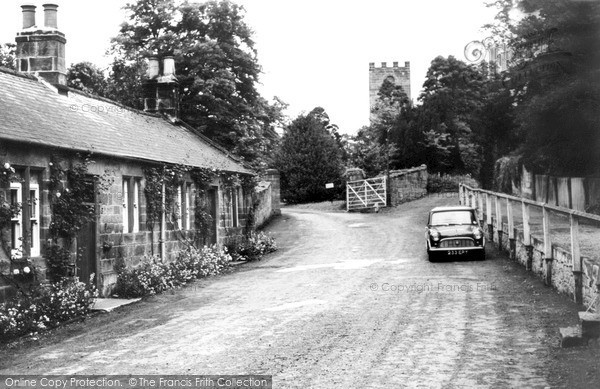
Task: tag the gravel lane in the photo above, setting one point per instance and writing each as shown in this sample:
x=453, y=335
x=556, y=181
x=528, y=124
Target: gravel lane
x=349, y=301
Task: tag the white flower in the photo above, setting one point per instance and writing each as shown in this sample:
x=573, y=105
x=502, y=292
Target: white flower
x=7, y=165
x=57, y=194
x=26, y=270
x=16, y=271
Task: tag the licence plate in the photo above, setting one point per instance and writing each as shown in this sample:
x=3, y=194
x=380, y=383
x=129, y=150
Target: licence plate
x=457, y=252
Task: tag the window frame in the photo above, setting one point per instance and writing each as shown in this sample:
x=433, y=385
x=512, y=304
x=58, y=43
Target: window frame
x=34, y=220
x=16, y=227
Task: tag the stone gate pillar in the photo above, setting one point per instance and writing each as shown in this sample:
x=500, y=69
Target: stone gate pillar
x=272, y=175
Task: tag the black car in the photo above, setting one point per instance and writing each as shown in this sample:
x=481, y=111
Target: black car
x=454, y=232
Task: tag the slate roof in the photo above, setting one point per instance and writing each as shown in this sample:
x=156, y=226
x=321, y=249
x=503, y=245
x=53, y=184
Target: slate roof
x=32, y=111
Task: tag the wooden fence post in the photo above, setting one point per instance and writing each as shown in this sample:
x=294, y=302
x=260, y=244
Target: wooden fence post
x=480, y=207
x=527, y=235
x=547, y=245
x=576, y=259
x=511, y=230
x=488, y=216
x=499, y=221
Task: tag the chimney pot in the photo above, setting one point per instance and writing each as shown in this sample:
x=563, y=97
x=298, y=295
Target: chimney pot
x=407, y=64
x=169, y=66
x=28, y=16
x=50, y=15
x=384, y=64
x=371, y=65
x=153, y=67
x=395, y=64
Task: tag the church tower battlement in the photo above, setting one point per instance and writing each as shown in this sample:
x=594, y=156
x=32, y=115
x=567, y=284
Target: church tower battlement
x=400, y=75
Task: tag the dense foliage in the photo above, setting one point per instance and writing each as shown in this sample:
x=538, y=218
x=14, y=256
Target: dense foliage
x=155, y=276
x=7, y=56
x=308, y=159
x=543, y=111
x=252, y=246
x=555, y=79
x=217, y=68
x=46, y=306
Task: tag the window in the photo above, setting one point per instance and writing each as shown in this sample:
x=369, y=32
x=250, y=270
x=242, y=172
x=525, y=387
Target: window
x=136, y=206
x=131, y=207
x=16, y=225
x=34, y=219
x=179, y=208
x=125, y=204
x=187, y=206
x=452, y=218
x=234, y=207
x=25, y=226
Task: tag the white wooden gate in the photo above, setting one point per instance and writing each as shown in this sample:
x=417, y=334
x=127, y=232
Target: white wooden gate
x=363, y=194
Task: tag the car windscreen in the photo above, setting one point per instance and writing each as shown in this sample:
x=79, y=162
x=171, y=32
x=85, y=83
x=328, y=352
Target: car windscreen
x=451, y=217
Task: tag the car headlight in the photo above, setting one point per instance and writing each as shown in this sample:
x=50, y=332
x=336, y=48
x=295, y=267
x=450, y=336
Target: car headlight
x=478, y=234
x=435, y=235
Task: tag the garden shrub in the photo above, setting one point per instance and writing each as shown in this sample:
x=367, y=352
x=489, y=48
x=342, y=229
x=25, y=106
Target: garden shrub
x=449, y=183
x=154, y=276
x=46, y=306
x=253, y=247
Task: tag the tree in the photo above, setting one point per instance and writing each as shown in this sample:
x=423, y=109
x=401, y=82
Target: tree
x=451, y=97
x=87, y=77
x=7, y=56
x=309, y=158
x=216, y=64
x=388, y=143
x=554, y=80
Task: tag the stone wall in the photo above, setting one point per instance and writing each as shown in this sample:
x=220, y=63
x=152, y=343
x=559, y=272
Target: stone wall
x=556, y=271
x=406, y=185
x=268, y=198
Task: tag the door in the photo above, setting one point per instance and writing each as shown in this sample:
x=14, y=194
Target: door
x=212, y=207
x=86, y=239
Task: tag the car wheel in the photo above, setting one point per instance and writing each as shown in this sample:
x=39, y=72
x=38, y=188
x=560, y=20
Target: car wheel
x=432, y=256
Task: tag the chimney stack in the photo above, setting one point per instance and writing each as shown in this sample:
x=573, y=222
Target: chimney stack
x=50, y=15
x=161, y=91
x=28, y=16
x=42, y=50
x=168, y=66
x=153, y=68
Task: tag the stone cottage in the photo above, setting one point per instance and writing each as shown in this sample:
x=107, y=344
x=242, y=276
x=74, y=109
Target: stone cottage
x=55, y=141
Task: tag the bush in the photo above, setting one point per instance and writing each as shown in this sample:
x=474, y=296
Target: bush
x=253, y=247
x=45, y=307
x=154, y=276
x=449, y=183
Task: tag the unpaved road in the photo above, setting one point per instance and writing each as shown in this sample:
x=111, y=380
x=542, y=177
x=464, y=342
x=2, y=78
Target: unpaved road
x=349, y=301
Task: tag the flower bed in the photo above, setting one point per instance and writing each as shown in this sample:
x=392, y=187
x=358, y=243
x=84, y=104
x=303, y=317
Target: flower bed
x=155, y=276
x=46, y=306
x=253, y=247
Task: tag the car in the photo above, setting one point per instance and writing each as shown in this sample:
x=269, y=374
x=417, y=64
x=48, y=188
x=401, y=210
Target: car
x=454, y=232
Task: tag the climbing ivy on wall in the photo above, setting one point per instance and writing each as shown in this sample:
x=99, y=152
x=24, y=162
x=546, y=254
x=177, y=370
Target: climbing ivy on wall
x=8, y=211
x=169, y=176
x=71, y=197
x=203, y=220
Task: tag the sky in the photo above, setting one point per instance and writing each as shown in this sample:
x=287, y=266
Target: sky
x=312, y=52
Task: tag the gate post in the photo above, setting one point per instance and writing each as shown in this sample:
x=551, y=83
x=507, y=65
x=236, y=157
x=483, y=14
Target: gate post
x=527, y=235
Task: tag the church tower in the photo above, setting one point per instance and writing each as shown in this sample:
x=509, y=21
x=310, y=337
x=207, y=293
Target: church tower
x=399, y=74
